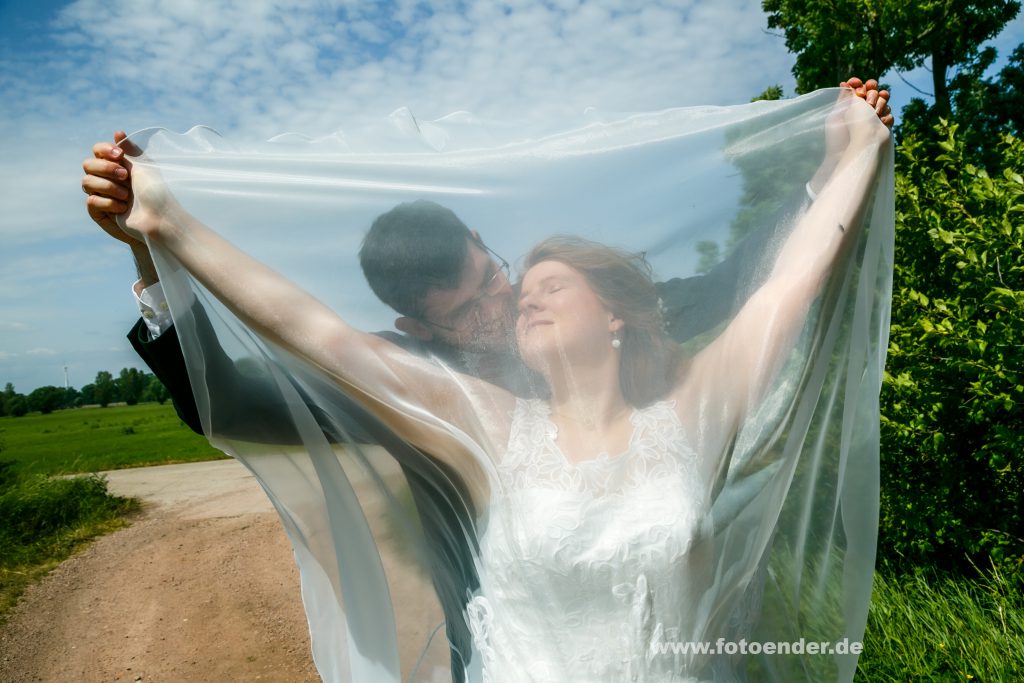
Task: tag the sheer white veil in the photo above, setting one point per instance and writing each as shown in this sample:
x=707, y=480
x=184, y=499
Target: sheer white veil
x=386, y=538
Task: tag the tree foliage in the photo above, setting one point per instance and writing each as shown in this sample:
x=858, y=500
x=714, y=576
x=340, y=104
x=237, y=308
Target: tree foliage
x=46, y=399
x=840, y=38
x=131, y=384
x=952, y=428
x=103, y=388
x=155, y=390
x=985, y=108
x=953, y=398
x=14, y=404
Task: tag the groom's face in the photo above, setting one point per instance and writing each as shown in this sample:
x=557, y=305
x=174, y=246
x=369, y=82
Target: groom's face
x=478, y=314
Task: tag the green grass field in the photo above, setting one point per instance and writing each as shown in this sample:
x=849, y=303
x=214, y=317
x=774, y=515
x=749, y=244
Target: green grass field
x=96, y=439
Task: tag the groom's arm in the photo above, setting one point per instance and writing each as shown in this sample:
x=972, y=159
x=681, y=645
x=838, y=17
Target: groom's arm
x=165, y=360
x=250, y=404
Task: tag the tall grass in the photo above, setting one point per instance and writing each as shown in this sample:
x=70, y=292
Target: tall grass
x=926, y=627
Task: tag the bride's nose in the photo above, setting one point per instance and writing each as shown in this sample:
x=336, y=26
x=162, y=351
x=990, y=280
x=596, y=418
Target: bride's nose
x=529, y=303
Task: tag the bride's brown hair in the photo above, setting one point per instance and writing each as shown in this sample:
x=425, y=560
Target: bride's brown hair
x=649, y=359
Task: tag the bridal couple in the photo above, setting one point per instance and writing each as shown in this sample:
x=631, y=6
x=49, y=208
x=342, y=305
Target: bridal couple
x=569, y=387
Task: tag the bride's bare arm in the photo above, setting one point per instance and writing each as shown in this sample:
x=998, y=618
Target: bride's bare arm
x=728, y=377
x=413, y=395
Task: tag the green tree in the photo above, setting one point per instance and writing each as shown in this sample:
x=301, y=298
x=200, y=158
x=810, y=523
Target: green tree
x=17, y=406
x=6, y=396
x=87, y=395
x=131, y=383
x=953, y=395
x=46, y=399
x=104, y=389
x=72, y=398
x=155, y=390
x=771, y=93
x=985, y=108
x=839, y=38
x=13, y=403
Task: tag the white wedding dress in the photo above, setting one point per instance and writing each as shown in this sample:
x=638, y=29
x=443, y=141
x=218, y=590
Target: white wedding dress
x=606, y=558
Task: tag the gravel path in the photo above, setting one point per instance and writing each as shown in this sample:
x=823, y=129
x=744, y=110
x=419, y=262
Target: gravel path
x=201, y=587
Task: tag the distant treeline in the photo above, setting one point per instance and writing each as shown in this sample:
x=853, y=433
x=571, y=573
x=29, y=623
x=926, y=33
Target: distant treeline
x=131, y=386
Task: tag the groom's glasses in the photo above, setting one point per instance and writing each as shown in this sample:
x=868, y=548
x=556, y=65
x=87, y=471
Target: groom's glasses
x=469, y=312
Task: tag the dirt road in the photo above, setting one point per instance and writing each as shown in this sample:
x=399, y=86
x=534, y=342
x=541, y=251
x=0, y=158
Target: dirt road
x=201, y=587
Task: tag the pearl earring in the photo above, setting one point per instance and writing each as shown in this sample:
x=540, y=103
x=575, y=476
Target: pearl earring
x=616, y=343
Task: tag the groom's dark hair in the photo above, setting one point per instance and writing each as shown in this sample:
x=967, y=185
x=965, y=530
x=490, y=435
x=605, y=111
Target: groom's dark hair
x=414, y=247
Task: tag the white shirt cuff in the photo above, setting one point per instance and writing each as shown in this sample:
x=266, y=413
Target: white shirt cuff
x=153, y=305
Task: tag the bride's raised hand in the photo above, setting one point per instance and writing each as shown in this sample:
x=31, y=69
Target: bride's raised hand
x=853, y=125
x=154, y=210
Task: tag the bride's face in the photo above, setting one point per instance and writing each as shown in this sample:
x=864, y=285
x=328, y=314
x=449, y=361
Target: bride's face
x=561, y=318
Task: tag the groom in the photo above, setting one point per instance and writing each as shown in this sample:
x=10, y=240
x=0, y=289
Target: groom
x=454, y=300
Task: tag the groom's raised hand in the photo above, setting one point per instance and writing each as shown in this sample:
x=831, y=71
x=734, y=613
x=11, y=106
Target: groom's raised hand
x=108, y=184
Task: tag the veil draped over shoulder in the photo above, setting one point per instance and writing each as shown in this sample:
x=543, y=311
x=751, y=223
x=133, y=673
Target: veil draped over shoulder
x=403, y=575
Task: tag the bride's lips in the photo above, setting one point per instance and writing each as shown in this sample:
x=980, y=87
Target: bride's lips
x=536, y=323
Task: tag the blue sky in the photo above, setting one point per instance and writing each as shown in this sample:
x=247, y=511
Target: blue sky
x=73, y=72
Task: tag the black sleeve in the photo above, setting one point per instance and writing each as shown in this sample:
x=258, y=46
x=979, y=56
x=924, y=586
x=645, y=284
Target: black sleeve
x=249, y=403
x=165, y=360
x=698, y=304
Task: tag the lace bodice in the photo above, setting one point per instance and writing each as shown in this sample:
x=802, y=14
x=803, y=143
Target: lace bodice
x=586, y=567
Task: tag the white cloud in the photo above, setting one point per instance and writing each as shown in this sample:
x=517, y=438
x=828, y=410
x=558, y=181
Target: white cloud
x=270, y=66
x=13, y=326
x=257, y=68
x=40, y=351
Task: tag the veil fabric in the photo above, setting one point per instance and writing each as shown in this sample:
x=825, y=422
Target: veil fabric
x=392, y=548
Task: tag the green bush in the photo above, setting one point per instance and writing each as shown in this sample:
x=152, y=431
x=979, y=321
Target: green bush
x=40, y=515
x=953, y=395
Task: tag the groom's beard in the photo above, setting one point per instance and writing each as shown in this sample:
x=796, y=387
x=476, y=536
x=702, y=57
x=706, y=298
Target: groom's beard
x=492, y=336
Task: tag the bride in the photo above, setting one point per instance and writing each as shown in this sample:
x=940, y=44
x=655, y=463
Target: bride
x=570, y=486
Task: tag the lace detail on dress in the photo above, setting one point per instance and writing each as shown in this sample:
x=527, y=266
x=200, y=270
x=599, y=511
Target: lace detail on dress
x=586, y=568
x=657, y=448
